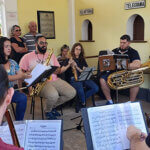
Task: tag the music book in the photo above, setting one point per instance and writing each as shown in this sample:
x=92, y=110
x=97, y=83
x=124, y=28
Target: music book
x=36, y=134
x=86, y=74
x=39, y=73
x=105, y=126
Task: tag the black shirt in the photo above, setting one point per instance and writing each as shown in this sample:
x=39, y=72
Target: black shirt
x=132, y=53
x=15, y=55
x=80, y=63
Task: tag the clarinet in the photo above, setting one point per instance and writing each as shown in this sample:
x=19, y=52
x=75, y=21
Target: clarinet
x=12, y=128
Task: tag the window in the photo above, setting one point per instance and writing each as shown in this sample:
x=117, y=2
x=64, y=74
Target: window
x=135, y=27
x=138, y=28
x=87, y=30
x=2, y=18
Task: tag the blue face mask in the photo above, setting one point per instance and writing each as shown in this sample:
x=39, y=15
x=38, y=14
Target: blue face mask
x=42, y=49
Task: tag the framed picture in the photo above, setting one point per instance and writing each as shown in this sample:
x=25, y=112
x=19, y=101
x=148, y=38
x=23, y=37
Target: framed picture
x=46, y=24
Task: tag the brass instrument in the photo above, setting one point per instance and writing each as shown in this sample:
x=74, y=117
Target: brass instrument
x=12, y=128
x=126, y=79
x=39, y=86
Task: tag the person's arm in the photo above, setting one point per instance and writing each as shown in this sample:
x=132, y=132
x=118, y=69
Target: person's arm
x=19, y=49
x=136, y=138
x=134, y=65
x=19, y=75
x=67, y=65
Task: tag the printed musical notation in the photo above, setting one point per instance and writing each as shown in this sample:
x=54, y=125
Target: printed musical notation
x=44, y=136
x=37, y=134
x=108, y=125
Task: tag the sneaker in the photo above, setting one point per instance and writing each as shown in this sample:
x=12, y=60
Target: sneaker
x=55, y=112
x=50, y=116
x=108, y=103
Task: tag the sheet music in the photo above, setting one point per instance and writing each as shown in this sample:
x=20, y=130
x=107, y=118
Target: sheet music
x=36, y=72
x=86, y=74
x=43, y=135
x=5, y=134
x=108, y=125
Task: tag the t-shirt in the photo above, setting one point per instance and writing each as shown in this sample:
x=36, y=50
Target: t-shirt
x=16, y=55
x=14, y=68
x=29, y=39
x=132, y=53
x=30, y=60
x=4, y=146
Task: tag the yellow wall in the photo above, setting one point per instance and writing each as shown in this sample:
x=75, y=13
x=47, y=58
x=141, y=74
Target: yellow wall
x=109, y=23
x=27, y=11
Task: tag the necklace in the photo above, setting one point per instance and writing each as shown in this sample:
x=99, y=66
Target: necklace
x=40, y=61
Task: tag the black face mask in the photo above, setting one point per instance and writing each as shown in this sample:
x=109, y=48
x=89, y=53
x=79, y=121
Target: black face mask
x=42, y=49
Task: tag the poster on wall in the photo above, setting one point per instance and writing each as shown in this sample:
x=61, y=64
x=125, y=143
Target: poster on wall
x=46, y=24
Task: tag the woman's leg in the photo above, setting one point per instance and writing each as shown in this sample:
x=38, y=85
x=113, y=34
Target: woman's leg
x=21, y=102
x=80, y=91
x=92, y=88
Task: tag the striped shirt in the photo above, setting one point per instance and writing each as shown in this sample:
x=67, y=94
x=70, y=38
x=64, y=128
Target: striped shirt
x=29, y=39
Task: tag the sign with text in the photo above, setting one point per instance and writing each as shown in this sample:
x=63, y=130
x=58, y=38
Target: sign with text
x=87, y=11
x=134, y=5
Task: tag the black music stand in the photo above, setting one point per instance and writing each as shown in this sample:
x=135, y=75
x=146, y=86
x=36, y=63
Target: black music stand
x=85, y=75
x=41, y=78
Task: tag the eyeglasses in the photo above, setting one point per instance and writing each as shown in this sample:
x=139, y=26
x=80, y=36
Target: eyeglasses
x=43, y=43
x=18, y=30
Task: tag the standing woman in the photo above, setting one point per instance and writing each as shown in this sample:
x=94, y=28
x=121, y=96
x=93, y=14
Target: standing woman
x=18, y=46
x=14, y=74
x=80, y=64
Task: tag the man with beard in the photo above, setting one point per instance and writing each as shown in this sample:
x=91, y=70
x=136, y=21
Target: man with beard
x=55, y=91
x=134, y=63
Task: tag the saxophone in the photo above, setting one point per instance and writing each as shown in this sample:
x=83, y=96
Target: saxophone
x=126, y=79
x=39, y=86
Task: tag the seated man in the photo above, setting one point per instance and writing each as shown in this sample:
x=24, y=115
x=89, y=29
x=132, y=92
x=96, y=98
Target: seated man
x=55, y=91
x=134, y=63
x=5, y=99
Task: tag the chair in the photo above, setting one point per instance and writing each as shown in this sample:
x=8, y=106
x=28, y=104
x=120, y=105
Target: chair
x=33, y=106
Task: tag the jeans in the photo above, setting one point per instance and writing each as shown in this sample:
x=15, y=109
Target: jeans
x=89, y=85
x=21, y=102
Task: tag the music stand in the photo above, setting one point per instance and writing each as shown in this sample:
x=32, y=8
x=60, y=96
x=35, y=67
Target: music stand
x=40, y=79
x=84, y=76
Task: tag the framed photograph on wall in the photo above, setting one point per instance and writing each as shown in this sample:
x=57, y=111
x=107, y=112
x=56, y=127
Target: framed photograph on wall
x=46, y=24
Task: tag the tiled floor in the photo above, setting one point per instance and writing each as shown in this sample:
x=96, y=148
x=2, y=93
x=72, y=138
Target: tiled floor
x=74, y=139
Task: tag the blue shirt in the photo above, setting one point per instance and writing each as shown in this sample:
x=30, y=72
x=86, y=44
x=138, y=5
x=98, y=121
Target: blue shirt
x=14, y=68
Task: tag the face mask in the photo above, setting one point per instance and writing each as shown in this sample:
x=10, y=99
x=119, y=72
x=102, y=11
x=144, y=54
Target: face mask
x=42, y=49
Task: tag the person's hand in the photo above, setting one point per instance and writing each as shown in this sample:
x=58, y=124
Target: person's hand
x=24, y=75
x=70, y=61
x=133, y=132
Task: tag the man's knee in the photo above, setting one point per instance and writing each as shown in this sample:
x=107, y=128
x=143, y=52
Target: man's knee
x=70, y=93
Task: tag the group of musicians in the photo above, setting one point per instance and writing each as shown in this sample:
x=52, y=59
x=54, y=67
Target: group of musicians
x=56, y=90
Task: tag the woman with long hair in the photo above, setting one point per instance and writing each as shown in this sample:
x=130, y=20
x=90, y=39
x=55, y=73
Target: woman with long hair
x=80, y=64
x=14, y=75
x=18, y=46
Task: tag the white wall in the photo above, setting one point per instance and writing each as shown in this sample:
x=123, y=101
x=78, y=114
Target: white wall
x=11, y=14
